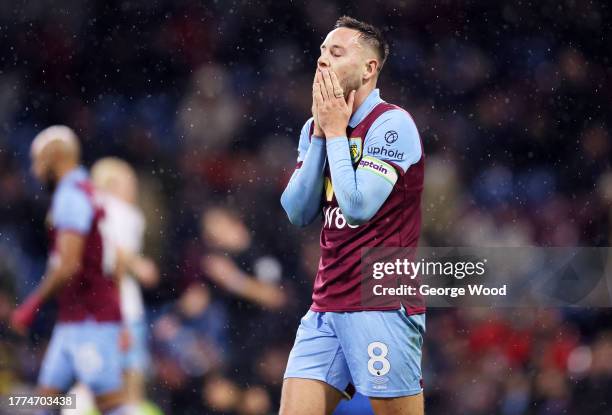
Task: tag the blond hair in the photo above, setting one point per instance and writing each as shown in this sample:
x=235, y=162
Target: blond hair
x=107, y=172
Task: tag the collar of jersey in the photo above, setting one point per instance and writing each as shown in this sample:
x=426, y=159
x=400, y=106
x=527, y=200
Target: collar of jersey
x=372, y=100
x=75, y=175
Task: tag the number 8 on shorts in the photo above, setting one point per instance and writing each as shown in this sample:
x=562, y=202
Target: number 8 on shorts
x=378, y=352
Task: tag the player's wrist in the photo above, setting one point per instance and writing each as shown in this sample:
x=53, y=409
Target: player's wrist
x=24, y=315
x=33, y=301
x=335, y=135
x=334, y=131
x=317, y=139
x=237, y=282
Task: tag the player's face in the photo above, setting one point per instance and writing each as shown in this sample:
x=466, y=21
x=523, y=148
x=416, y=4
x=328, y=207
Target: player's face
x=222, y=229
x=345, y=55
x=41, y=166
x=126, y=186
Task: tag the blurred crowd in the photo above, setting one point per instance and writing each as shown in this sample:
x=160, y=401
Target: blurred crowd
x=206, y=101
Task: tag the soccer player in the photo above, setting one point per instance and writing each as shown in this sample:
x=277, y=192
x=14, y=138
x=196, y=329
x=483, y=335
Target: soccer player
x=123, y=230
x=85, y=341
x=360, y=160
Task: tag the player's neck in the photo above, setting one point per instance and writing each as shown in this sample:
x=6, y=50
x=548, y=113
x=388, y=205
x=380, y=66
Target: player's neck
x=64, y=168
x=361, y=95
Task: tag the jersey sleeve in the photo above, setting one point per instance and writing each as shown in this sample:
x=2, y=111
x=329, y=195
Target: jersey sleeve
x=394, y=139
x=304, y=141
x=72, y=211
x=360, y=193
x=301, y=199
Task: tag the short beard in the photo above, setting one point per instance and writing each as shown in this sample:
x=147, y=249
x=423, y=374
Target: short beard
x=351, y=85
x=50, y=184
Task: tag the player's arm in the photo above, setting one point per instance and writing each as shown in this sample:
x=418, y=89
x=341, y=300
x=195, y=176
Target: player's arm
x=141, y=267
x=224, y=272
x=391, y=146
x=302, y=196
x=70, y=245
x=72, y=218
x=123, y=235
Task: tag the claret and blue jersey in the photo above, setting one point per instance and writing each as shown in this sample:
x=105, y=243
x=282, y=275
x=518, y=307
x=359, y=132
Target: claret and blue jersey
x=93, y=292
x=367, y=185
x=392, y=137
x=71, y=208
x=85, y=341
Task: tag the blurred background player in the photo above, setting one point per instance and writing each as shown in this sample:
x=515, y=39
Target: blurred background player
x=123, y=228
x=85, y=343
x=251, y=281
x=230, y=248
x=360, y=161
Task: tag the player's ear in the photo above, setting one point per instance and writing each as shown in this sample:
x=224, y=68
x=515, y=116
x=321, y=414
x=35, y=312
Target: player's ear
x=370, y=69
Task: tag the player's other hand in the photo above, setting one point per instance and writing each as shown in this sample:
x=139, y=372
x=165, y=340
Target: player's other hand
x=125, y=339
x=17, y=327
x=222, y=271
x=317, y=131
x=23, y=316
x=146, y=271
x=333, y=112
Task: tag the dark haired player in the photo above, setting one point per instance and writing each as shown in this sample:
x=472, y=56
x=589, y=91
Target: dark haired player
x=85, y=342
x=360, y=160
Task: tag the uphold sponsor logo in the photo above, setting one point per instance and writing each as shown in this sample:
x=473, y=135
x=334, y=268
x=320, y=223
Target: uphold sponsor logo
x=387, y=152
x=390, y=137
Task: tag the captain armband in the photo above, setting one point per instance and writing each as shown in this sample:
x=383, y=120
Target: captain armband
x=378, y=167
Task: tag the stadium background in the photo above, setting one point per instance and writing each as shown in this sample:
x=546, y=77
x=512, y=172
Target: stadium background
x=512, y=100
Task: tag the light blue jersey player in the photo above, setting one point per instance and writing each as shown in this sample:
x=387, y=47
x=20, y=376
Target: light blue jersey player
x=360, y=167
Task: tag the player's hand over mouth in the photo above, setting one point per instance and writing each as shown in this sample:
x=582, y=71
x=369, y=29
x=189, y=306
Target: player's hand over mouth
x=318, y=132
x=333, y=112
